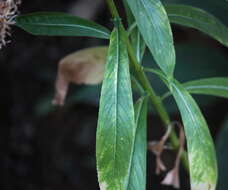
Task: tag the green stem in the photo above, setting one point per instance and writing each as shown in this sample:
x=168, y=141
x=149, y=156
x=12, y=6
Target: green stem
x=140, y=75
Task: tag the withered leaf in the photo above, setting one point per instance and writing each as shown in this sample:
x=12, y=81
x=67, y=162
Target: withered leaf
x=172, y=177
x=157, y=148
x=82, y=67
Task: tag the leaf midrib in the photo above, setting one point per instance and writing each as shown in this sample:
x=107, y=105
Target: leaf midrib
x=205, y=26
x=190, y=18
x=188, y=109
x=185, y=103
x=66, y=25
x=133, y=147
x=207, y=87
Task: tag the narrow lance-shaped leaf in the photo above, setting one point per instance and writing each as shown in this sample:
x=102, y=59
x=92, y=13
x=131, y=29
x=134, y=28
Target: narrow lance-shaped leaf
x=199, y=19
x=137, y=41
x=154, y=26
x=138, y=44
x=201, y=153
x=60, y=24
x=130, y=16
x=210, y=86
x=137, y=178
x=116, y=123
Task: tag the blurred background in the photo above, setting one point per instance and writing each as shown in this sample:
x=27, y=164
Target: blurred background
x=43, y=147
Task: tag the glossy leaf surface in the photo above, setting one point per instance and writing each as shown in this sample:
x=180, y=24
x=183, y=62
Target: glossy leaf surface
x=154, y=26
x=137, y=178
x=199, y=19
x=201, y=153
x=209, y=86
x=60, y=24
x=116, y=123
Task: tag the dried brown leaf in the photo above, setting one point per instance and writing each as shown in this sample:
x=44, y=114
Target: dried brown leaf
x=157, y=148
x=172, y=178
x=82, y=67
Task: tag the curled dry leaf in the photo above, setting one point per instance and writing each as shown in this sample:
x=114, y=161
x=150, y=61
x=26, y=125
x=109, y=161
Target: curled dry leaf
x=172, y=178
x=157, y=148
x=82, y=67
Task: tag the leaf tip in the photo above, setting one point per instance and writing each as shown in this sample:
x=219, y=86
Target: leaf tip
x=103, y=186
x=172, y=178
x=61, y=88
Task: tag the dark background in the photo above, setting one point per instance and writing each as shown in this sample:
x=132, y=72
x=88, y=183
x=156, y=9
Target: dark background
x=43, y=147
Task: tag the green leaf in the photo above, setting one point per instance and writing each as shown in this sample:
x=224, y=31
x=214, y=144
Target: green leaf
x=138, y=44
x=209, y=86
x=116, y=123
x=154, y=26
x=137, y=178
x=137, y=41
x=60, y=24
x=199, y=19
x=222, y=153
x=201, y=153
x=130, y=16
x=218, y=8
x=187, y=69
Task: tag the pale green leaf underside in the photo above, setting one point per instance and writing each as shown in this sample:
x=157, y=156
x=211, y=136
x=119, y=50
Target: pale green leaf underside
x=210, y=86
x=137, y=178
x=60, y=24
x=201, y=153
x=153, y=23
x=199, y=19
x=116, y=123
